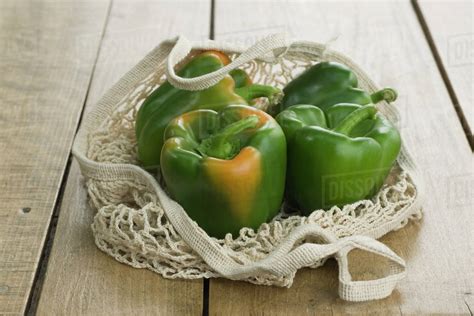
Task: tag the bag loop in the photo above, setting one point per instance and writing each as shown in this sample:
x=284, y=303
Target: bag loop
x=285, y=260
x=275, y=44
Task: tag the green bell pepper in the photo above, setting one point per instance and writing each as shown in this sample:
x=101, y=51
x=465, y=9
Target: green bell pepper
x=167, y=102
x=227, y=169
x=338, y=156
x=326, y=84
x=241, y=78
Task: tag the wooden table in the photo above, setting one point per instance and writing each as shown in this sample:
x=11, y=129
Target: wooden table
x=57, y=58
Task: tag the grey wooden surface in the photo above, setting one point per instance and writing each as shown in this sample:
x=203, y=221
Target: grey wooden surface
x=58, y=58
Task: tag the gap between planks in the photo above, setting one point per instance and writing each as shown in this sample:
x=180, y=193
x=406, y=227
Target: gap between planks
x=212, y=20
x=206, y=282
x=444, y=74
x=40, y=274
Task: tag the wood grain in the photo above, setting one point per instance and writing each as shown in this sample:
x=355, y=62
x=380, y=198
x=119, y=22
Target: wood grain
x=385, y=38
x=451, y=24
x=47, y=53
x=81, y=280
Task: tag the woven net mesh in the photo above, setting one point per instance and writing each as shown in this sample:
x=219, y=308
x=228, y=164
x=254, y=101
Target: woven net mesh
x=131, y=226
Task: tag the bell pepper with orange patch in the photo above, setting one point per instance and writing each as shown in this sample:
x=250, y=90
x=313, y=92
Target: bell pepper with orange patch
x=227, y=169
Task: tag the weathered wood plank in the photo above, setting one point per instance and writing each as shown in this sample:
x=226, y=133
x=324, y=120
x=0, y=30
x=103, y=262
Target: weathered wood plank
x=80, y=278
x=451, y=26
x=385, y=38
x=45, y=71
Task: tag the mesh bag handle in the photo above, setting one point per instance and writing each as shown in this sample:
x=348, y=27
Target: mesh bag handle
x=289, y=255
x=275, y=45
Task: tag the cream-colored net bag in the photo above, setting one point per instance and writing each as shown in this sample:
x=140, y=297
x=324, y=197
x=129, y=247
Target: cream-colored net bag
x=138, y=224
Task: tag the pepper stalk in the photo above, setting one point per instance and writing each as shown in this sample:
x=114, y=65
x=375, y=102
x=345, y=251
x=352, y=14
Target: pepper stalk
x=224, y=144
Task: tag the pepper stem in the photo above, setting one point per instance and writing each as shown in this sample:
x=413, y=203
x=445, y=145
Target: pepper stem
x=353, y=119
x=250, y=92
x=386, y=94
x=223, y=144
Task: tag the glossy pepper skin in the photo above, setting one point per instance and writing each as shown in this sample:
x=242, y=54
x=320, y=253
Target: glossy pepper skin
x=227, y=169
x=326, y=84
x=336, y=157
x=167, y=102
x=241, y=78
